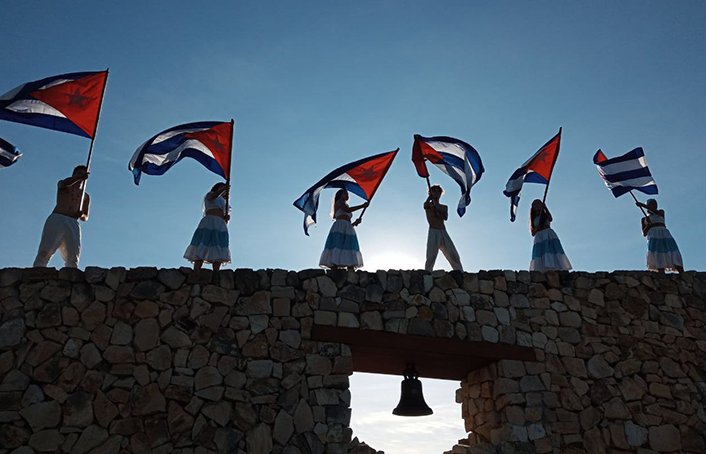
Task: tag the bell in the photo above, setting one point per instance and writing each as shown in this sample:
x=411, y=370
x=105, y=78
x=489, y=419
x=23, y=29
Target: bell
x=411, y=399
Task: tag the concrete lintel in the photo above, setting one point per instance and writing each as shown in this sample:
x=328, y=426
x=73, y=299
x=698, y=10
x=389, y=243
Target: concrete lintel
x=388, y=353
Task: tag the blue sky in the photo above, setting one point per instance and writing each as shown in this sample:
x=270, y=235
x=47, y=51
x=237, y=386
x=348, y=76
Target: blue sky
x=313, y=85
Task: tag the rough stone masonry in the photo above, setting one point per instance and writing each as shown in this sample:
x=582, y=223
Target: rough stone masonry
x=171, y=360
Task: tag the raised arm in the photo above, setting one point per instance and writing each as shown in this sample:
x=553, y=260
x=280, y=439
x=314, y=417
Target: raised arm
x=358, y=207
x=658, y=211
x=72, y=180
x=428, y=203
x=213, y=195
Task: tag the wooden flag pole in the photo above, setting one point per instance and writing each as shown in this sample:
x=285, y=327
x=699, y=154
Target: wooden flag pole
x=558, y=148
x=230, y=165
x=93, y=139
x=429, y=189
x=637, y=201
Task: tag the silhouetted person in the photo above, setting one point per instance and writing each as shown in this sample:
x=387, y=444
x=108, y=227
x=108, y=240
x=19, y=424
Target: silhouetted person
x=547, y=252
x=342, y=249
x=438, y=238
x=662, y=251
x=210, y=240
x=61, y=229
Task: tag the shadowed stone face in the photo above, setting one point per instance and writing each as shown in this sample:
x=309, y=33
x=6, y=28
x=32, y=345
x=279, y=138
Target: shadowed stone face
x=143, y=359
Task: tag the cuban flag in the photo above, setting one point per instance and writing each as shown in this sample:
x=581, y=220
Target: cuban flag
x=208, y=142
x=625, y=173
x=9, y=154
x=361, y=177
x=537, y=169
x=68, y=102
x=454, y=157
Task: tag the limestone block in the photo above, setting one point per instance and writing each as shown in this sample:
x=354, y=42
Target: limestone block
x=11, y=332
x=259, y=439
x=598, y=367
x=175, y=338
x=635, y=435
x=91, y=437
x=664, y=438
x=206, y=377
x=42, y=415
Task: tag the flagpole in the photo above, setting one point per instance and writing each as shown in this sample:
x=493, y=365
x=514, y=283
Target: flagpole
x=637, y=201
x=230, y=162
x=558, y=148
x=371, y=198
x=93, y=139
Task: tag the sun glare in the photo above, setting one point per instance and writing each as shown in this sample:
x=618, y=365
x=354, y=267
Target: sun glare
x=388, y=260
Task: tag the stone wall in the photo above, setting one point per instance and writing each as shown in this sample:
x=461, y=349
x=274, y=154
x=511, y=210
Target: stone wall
x=148, y=360
x=621, y=367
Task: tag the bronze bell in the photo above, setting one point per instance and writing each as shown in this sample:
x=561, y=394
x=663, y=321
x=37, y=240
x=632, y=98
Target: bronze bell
x=411, y=399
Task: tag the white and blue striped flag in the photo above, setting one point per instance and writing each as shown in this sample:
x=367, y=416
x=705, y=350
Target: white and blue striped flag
x=9, y=154
x=624, y=173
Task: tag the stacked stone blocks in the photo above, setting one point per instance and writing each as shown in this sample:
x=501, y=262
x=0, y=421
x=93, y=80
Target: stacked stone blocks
x=148, y=360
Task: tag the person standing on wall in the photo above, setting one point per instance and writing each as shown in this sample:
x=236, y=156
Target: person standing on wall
x=342, y=249
x=438, y=238
x=662, y=251
x=547, y=251
x=61, y=229
x=210, y=240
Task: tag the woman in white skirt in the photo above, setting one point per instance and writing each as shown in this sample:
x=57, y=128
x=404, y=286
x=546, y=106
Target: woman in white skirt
x=210, y=241
x=662, y=251
x=341, y=249
x=547, y=252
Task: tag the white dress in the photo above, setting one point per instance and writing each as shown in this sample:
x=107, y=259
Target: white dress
x=210, y=240
x=547, y=252
x=662, y=251
x=341, y=249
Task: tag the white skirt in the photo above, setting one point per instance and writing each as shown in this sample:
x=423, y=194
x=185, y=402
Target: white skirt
x=341, y=249
x=662, y=251
x=547, y=252
x=210, y=241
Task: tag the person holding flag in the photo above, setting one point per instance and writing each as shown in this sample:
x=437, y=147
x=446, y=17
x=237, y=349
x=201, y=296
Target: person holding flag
x=630, y=172
x=211, y=144
x=69, y=103
x=362, y=178
x=547, y=252
x=341, y=249
x=662, y=251
x=210, y=240
x=460, y=161
x=62, y=230
x=438, y=238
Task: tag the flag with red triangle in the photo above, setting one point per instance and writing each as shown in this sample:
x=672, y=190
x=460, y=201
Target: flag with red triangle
x=208, y=142
x=537, y=169
x=68, y=102
x=362, y=178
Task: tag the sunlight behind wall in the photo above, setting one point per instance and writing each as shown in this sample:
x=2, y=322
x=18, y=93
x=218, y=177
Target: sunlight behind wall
x=391, y=260
x=384, y=431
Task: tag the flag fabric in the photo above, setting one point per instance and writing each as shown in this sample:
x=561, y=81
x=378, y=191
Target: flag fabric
x=208, y=142
x=537, y=169
x=68, y=103
x=361, y=177
x=9, y=154
x=454, y=157
x=624, y=173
